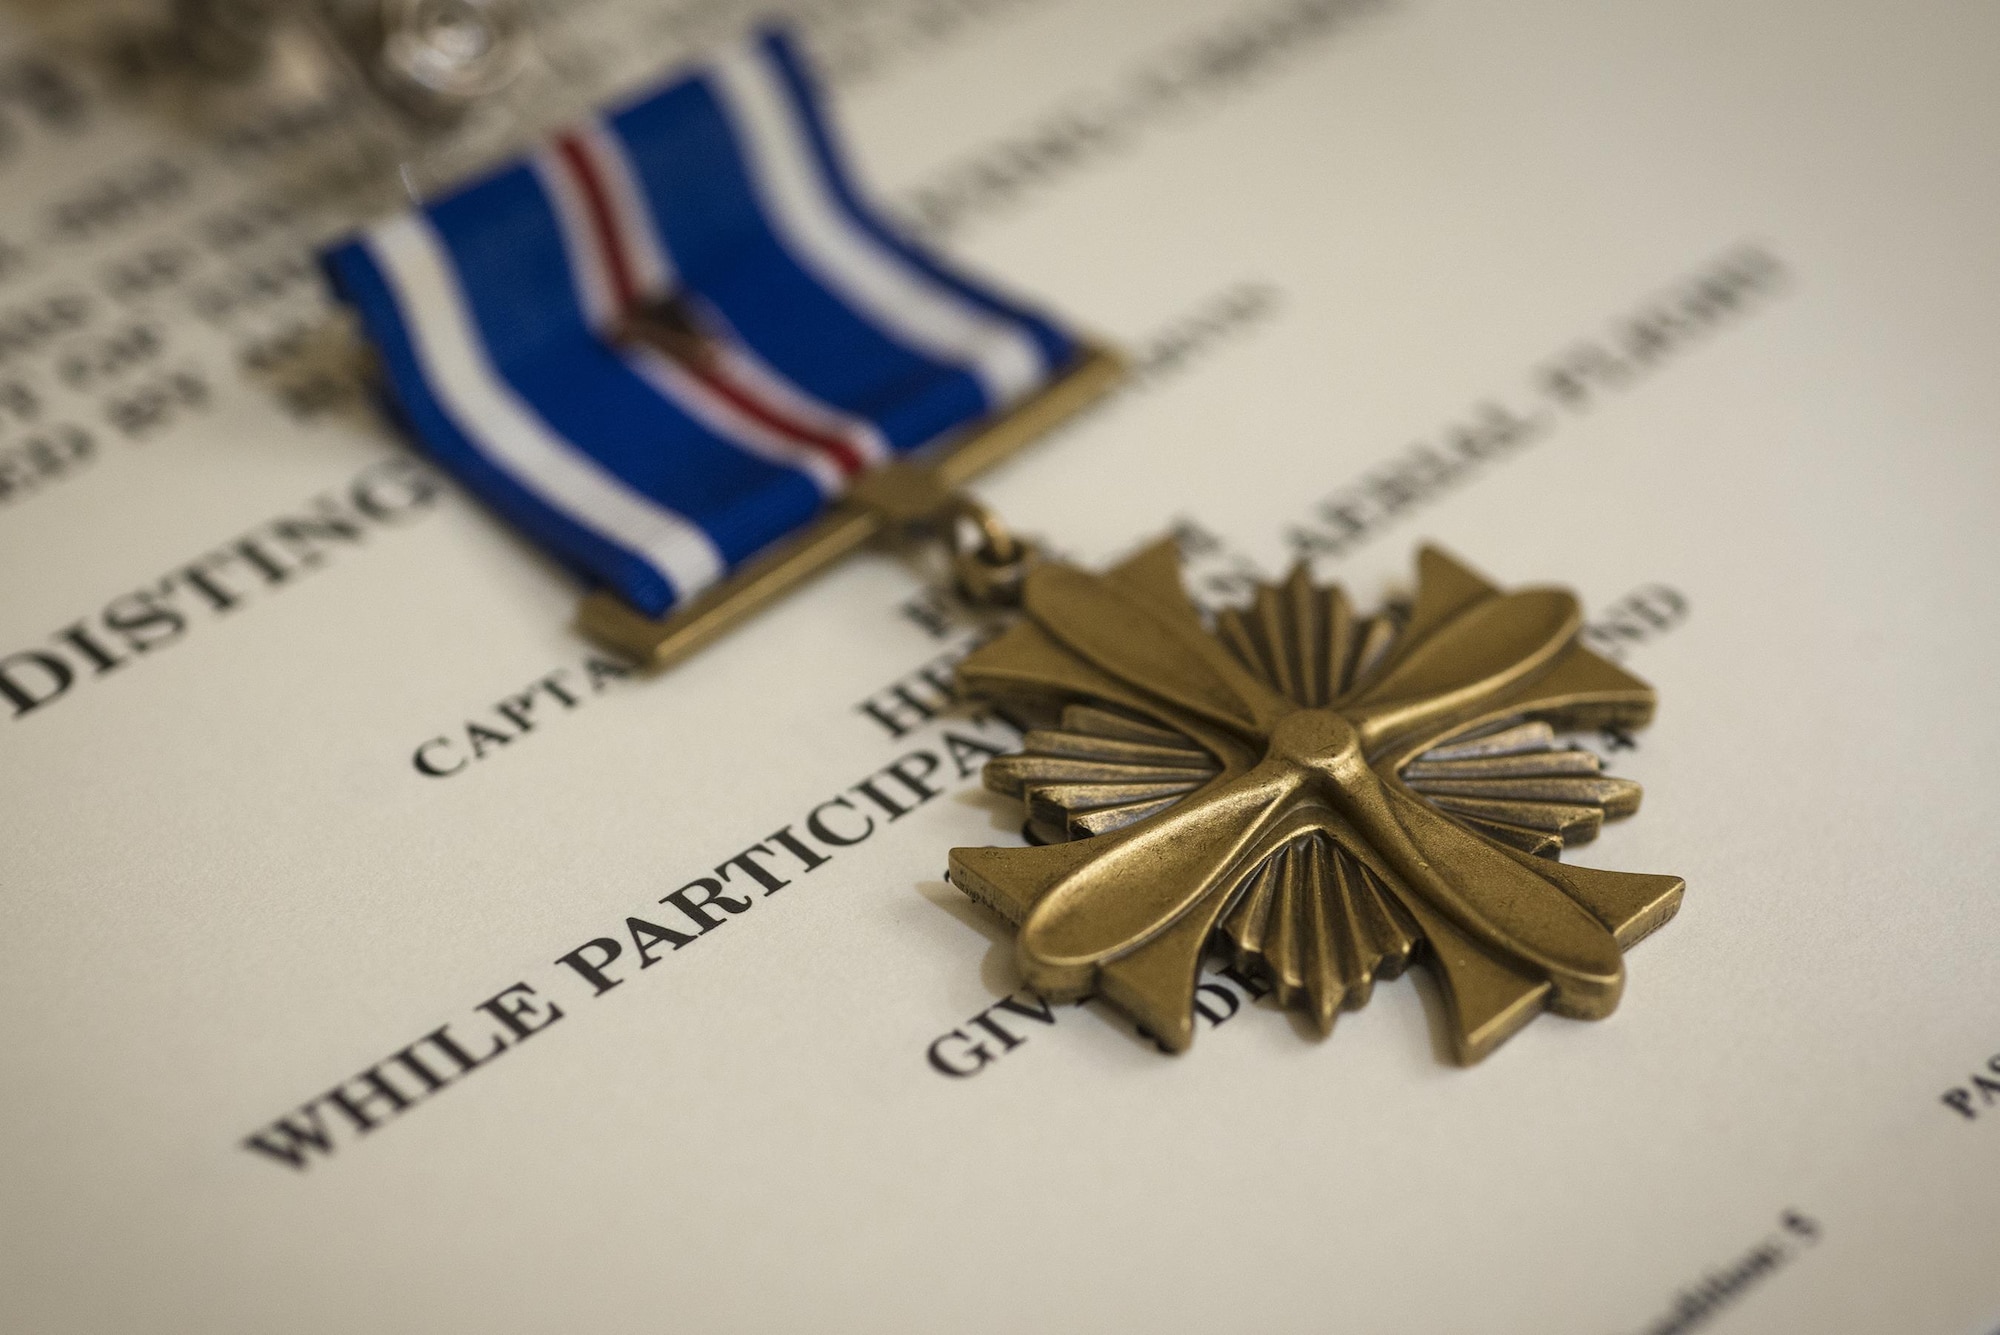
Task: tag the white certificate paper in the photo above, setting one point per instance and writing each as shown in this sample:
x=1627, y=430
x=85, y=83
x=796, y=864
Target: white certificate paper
x=379, y=956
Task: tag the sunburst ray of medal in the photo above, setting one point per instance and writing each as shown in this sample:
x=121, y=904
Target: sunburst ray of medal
x=1322, y=866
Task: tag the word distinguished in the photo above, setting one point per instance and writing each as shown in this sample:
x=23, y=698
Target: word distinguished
x=446, y=1055
x=385, y=495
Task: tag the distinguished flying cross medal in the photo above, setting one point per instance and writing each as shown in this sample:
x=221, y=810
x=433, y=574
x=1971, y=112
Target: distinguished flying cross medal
x=1322, y=794
x=677, y=348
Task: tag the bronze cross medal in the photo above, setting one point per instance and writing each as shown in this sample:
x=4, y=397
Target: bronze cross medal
x=1325, y=796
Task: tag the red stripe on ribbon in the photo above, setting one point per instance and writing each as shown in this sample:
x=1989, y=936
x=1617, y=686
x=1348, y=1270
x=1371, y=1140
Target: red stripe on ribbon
x=744, y=400
x=603, y=222
x=618, y=268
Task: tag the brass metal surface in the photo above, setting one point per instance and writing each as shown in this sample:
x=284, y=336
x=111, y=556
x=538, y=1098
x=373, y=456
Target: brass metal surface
x=888, y=499
x=1323, y=796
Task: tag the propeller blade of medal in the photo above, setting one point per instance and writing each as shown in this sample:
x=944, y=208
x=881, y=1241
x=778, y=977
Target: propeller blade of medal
x=1177, y=662
x=1472, y=660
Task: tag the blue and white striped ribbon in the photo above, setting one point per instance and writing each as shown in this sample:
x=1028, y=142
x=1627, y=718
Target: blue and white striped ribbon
x=834, y=342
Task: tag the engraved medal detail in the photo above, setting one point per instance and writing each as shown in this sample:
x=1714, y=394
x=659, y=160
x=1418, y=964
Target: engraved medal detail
x=1322, y=795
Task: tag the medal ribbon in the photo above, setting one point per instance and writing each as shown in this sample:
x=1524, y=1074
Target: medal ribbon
x=673, y=334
